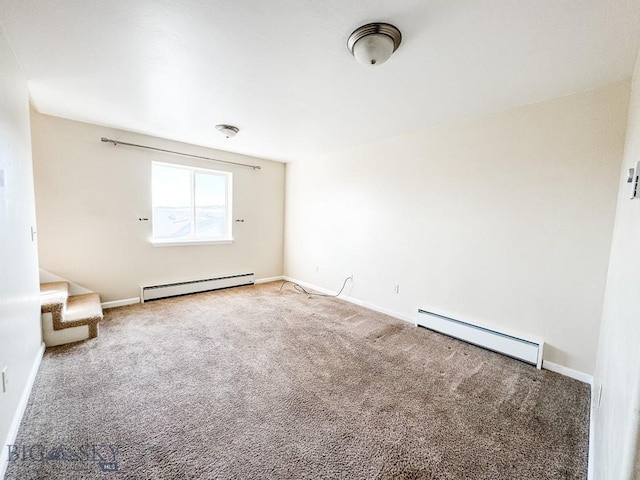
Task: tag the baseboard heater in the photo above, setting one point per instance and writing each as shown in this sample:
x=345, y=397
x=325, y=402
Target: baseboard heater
x=167, y=290
x=529, y=351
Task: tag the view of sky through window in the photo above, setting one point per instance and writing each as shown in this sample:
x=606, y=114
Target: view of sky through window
x=189, y=204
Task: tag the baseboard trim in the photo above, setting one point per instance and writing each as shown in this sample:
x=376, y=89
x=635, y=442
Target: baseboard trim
x=353, y=300
x=567, y=372
x=121, y=303
x=19, y=413
x=590, y=467
x=268, y=279
x=378, y=309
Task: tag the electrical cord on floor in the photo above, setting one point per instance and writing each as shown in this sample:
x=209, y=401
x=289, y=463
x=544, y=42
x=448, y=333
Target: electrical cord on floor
x=309, y=294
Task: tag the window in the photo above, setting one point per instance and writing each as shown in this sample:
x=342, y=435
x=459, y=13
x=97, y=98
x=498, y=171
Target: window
x=190, y=204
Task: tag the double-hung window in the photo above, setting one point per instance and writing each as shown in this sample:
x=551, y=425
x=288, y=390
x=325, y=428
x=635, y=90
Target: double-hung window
x=190, y=205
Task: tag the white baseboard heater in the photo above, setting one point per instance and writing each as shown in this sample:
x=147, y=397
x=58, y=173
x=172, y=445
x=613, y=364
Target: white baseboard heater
x=529, y=351
x=155, y=292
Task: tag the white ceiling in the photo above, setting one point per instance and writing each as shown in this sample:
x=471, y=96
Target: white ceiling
x=281, y=72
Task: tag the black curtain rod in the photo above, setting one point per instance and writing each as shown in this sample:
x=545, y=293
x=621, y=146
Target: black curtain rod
x=118, y=142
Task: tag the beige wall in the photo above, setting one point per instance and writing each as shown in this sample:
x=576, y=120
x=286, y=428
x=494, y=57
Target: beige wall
x=89, y=196
x=20, y=336
x=504, y=220
x=617, y=418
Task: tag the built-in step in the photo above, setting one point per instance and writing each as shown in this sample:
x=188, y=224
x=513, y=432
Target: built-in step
x=68, y=318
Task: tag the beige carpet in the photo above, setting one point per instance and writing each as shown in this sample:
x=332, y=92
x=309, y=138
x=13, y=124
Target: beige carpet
x=254, y=382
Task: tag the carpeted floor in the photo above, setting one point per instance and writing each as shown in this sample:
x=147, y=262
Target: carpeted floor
x=254, y=382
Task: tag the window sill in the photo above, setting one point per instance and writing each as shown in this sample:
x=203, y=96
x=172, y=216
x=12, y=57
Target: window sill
x=185, y=243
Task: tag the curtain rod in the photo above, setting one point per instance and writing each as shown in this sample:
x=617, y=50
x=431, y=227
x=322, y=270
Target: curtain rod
x=118, y=142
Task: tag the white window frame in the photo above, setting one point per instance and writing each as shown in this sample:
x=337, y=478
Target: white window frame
x=194, y=239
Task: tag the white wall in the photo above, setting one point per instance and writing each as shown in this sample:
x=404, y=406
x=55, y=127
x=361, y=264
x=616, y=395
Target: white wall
x=504, y=220
x=20, y=336
x=617, y=418
x=89, y=196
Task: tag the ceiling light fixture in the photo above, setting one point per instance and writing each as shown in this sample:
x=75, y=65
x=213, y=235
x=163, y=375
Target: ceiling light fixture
x=373, y=44
x=228, y=131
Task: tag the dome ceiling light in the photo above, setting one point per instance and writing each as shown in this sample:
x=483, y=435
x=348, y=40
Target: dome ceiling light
x=228, y=131
x=373, y=44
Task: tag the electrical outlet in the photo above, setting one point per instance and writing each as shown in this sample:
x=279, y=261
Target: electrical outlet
x=317, y=268
x=396, y=289
x=5, y=380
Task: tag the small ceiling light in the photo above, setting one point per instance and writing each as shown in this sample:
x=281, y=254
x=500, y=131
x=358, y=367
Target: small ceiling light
x=373, y=44
x=228, y=131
